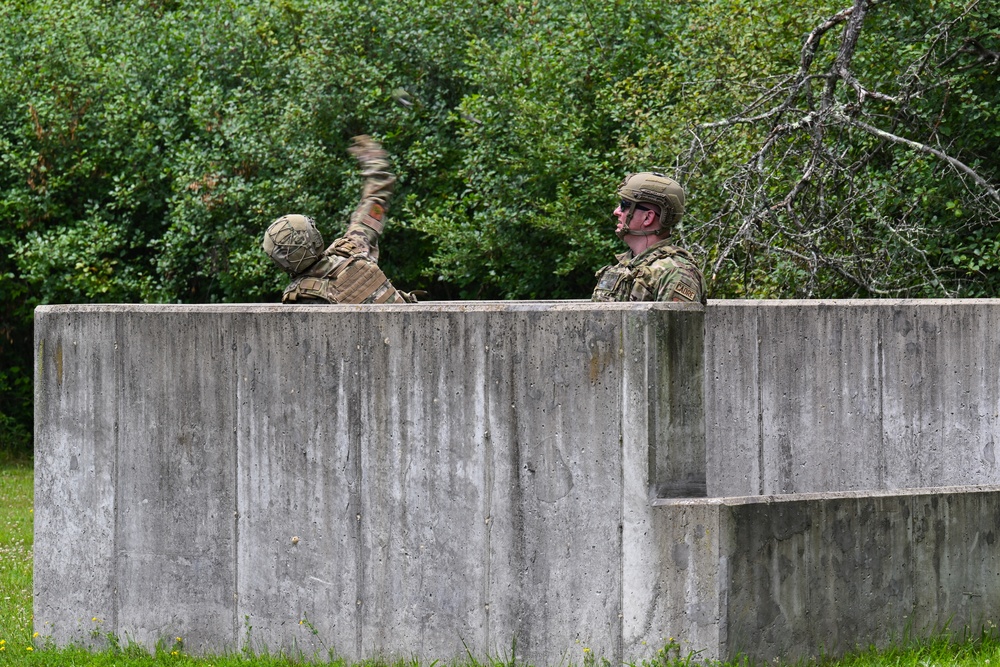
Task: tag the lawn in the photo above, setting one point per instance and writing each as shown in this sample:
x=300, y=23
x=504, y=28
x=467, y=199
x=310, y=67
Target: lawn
x=18, y=646
x=16, y=529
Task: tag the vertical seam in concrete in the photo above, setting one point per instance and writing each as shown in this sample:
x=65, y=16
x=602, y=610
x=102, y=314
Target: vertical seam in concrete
x=722, y=532
x=623, y=357
x=488, y=474
x=117, y=332
x=354, y=447
x=883, y=464
x=237, y=420
x=760, y=403
x=652, y=411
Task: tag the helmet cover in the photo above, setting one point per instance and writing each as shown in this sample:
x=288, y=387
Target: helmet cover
x=293, y=243
x=649, y=187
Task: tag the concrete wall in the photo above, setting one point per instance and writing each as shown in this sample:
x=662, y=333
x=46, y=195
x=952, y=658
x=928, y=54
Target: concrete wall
x=821, y=574
x=810, y=396
x=410, y=480
x=415, y=480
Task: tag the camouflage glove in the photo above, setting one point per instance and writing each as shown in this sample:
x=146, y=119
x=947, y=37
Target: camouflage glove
x=408, y=297
x=414, y=296
x=369, y=154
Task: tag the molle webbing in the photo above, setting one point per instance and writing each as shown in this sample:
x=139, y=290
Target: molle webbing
x=669, y=251
x=360, y=281
x=355, y=281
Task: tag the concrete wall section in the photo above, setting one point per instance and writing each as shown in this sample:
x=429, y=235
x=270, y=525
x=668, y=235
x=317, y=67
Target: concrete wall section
x=657, y=434
x=733, y=449
x=840, y=573
x=802, y=576
x=820, y=389
x=419, y=480
x=942, y=359
x=402, y=481
x=134, y=503
x=810, y=396
x=175, y=495
x=677, y=405
x=76, y=430
x=555, y=506
x=688, y=588
x=298, y=484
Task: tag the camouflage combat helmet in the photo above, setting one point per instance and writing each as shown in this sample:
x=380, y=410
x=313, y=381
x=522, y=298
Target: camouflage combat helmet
x=649, y=187
x=293, y=242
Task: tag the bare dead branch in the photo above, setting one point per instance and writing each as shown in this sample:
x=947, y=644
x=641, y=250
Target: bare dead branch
x=801, y=198
x=924, y=148
x=811, y=45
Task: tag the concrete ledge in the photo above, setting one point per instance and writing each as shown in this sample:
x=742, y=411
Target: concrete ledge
x=799, y=576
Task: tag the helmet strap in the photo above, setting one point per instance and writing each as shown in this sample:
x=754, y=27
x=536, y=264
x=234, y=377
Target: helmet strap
x=628, y=231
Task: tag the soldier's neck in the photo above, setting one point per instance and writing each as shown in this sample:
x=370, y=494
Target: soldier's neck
x=640, y=244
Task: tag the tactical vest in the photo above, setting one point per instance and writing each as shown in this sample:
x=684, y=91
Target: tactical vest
x=355, y=280
x=618, y=282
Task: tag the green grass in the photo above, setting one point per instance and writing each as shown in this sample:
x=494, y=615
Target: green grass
x=19, y=647
x=16, y=530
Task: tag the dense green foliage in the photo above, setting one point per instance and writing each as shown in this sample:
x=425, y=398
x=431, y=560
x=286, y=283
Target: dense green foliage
x=145, y=144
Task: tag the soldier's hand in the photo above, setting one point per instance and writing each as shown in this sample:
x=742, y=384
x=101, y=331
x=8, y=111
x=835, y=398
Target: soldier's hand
x=411, y=297
x=366, y=150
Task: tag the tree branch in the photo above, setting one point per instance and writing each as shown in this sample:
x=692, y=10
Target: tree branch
x=924, y=148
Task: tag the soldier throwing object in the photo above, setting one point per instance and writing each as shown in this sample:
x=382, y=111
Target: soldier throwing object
x=652, y=269
x=347, y=271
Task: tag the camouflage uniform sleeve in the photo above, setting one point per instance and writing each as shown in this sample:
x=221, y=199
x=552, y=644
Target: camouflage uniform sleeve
x=367, y=221
x=678, y=280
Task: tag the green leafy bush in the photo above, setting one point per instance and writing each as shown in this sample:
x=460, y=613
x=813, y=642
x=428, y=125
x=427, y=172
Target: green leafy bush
x=145, y=145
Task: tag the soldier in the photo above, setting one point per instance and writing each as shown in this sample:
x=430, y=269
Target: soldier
x=652, y=269
x=347, y=271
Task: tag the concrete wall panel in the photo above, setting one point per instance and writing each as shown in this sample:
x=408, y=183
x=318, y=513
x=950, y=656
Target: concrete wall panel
x=815, y=396
x=677, y=402
x=76, y=413
x=690, y=583
x=562, y=523
x=298, y=484
x=175, y=541
x=814, y=574
x=423, y=464
x=820, y=398
x=954, y=538
x=870, y=576
x=806, y=575
x=732, y=400
x=942, y=399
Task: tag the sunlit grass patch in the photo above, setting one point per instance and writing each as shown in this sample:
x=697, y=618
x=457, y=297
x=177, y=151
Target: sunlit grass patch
x=16, y=537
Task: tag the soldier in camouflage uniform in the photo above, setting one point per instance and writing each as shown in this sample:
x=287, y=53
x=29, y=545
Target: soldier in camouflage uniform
x=347, y=271
x=651, y=269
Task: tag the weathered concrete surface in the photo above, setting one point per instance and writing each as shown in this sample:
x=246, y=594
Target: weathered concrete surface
x=415, y=480
x=811, y=574
x=811, y=396
x=409, y=480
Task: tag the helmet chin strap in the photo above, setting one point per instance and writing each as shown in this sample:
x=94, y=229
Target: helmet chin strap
x=628, y=231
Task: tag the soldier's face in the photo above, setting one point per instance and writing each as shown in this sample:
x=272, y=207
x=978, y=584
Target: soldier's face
x=621, y=213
